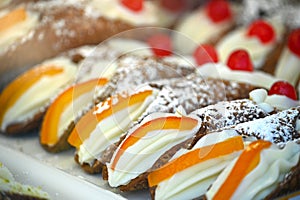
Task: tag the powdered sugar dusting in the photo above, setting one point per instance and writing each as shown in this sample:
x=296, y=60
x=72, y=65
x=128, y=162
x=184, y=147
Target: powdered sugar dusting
x=194, y=92
x=136, y=70
x=278, y=128
x=165, y=102
x=102, y=106
x=229, y=113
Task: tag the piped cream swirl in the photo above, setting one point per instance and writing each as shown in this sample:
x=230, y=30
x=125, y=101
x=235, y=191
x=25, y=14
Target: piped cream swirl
x=274, y=164
x=195, y=180
x=221, y=71
x=140, y=156
x=17, y=31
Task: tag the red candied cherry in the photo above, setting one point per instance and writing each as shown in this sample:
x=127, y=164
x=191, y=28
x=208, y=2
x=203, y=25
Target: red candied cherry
x=294, y=42
x=283, y=88
x=240, y=60
x=262, y=30
x=204, y=54
x=134, y=5
x=161, y=45
x=174, y=5
x=218, y=10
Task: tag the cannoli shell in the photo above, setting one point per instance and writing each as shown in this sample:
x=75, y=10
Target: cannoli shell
x=30, y=124
x=62, y=144
x=48, y=41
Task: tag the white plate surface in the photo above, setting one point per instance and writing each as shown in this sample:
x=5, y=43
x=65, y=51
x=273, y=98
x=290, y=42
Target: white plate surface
x=57, y=174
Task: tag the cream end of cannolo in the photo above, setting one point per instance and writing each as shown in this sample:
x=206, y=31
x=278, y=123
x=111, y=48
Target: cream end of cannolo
x=19, y=29
x=270, y=103
x=157, y=134
x=109, y=129
x=273, y=165
x=194, y=181
x=26, y=107
x=222, y=71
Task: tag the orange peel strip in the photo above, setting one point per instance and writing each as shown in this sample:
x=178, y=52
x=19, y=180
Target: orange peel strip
x=247, y=161
x=163, y=123
x=194, y=157
x=49, y=130
x=12, y=18
x=89, y=121
x=21, y=84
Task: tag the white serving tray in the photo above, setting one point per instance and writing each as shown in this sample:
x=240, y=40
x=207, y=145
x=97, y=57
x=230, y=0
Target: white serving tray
x=57, y=174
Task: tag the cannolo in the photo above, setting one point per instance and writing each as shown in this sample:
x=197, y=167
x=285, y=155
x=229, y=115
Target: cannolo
x=204, y=25
x=224, y=114
x=172, y=185
x=48, y=28
x=11, y=189
x=84, y=62
x=96, y=67
x=195, y=91
x=24, y=101
x=158, y=132
x=265, y=174
x=288, y=67
x=108, y=121
x=64, y=111
x=263, y=39
x=191, y=93
x=92, y=63
x=189, y=173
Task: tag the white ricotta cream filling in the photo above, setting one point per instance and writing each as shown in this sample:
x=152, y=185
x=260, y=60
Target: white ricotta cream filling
x=73, y=110
x=131, y=46
x=269, y=102
x=21, y=29
x=273, y=166
x=195, y=180
x=197, y=28
x=140, y=157
x=258, y=51
x=151, y=14
x=109, y=130
x=221, y=71
x=97, y=69
x=40, y=94
x=288, y=67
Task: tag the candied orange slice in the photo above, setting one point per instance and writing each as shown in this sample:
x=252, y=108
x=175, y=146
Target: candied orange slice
x=163, y=123
x=247, y=161
x=49, y=130
x=194, y=157
x=21, y=84
x=89, y=121
x=12, y=18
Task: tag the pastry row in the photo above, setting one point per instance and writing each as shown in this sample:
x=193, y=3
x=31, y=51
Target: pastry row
x=32, y=30
x=163, y=111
